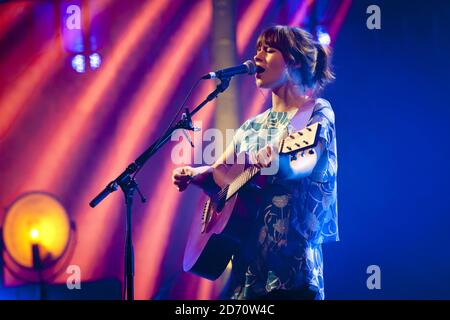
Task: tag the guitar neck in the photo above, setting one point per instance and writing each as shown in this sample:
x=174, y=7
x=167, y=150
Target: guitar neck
x=300, y=140
x=246, y=176
x=241, y=180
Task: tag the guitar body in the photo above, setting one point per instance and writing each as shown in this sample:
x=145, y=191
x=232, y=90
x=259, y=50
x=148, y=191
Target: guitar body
x=223, y=225
x=228, y=215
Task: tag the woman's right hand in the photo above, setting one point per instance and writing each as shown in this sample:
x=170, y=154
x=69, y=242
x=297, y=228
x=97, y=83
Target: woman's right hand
x=182, y=177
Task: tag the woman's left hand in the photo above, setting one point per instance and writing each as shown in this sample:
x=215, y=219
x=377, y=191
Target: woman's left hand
x=265, y=156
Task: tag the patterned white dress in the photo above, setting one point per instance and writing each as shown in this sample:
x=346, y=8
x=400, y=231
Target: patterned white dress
x=285, y=248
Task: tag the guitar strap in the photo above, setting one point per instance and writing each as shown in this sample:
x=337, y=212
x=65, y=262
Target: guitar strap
x=302, y=116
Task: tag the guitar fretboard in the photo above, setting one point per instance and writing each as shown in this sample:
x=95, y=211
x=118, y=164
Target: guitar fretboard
x=241, y=180
x=300, y=140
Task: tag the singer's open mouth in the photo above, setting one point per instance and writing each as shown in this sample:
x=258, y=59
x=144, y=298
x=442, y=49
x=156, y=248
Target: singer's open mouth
x=259, y=69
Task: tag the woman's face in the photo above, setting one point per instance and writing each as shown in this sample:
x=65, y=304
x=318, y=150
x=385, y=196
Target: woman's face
x=276, y=72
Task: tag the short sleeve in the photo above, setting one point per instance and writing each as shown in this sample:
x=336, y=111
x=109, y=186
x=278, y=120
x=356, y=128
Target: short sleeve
x=324, y=114
x=326, y=168
x=320, y=204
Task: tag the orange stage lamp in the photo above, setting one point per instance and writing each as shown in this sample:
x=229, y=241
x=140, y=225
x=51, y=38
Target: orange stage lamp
x=36, y=220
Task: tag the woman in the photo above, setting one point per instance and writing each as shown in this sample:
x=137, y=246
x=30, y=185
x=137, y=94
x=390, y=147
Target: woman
x=282, y=258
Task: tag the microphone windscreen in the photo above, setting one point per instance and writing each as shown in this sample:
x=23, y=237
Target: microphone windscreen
x=251, y=66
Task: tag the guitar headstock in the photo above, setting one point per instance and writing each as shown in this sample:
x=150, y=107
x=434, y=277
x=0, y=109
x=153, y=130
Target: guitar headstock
x=300, y=140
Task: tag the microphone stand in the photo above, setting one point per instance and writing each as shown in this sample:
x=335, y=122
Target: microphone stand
x=128, y=183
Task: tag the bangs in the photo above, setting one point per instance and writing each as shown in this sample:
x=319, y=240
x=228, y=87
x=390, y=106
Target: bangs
x=274, y=37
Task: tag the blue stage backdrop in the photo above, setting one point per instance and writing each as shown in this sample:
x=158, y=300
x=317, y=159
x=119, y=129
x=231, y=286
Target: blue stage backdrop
x=393, y=121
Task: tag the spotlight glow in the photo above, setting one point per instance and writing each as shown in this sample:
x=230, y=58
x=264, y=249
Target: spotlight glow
x=323, y=37
x=95, y=61
x=36, y=219
x=79, y=63
x=34, y=234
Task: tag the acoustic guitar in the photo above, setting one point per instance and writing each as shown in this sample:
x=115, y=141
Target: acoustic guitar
x=228, y=214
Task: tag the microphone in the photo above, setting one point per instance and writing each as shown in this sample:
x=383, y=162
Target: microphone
x=248, y=67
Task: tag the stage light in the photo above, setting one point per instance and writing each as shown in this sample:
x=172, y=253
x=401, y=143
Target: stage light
x=323, y=36
x=95, y=61
x=36, y=220
x=34, y=234
x=79, y=63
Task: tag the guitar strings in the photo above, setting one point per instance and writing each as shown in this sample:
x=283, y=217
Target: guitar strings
x=243, y=178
